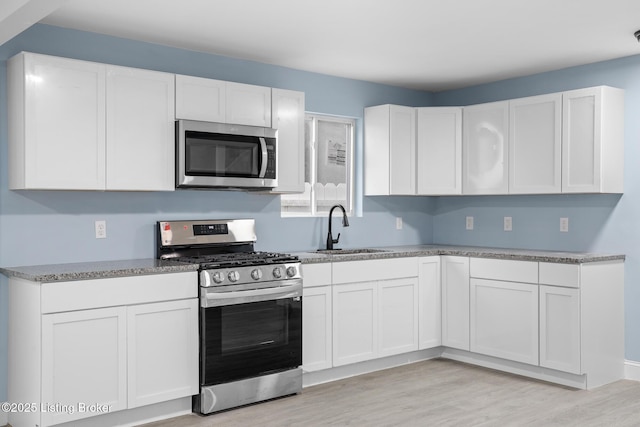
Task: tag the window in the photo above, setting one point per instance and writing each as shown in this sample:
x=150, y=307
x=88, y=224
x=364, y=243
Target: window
x=328, y=167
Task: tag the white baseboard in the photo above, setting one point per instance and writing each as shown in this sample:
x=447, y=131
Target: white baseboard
x=632, y=370
x=4, y=417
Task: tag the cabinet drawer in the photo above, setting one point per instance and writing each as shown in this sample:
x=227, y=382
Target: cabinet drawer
x=374, y=269
x=500, y=269
x=111, y=292
x=560, y=274
x=316, y=274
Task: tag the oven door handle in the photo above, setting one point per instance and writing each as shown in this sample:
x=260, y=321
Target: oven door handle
x=217, y=299
x=265, y=158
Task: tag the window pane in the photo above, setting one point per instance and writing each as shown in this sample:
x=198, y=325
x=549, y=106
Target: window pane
x=331, y=165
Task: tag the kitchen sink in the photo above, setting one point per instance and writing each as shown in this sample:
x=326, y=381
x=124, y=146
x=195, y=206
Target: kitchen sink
x=349, y=251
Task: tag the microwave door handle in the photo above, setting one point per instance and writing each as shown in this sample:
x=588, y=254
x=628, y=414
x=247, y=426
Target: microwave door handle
x=265, y=158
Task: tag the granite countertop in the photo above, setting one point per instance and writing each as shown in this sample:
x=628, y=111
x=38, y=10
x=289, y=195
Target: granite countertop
x=471, y=251
x=96, y=270
x=136, y=267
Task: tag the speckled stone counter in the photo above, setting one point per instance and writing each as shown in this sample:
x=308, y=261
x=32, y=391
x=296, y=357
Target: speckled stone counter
x=470, y=251
x=95, y=270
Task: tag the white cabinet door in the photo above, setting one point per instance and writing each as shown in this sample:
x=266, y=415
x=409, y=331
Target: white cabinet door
x=248, y=104
x=455, y=302
x=376, y=151
x=429, y=295
x=397, y=316
x=439, y=150
x=140, y=129
x=162, y=351
x=84, y=361
x=593, y=140
x=485, y=150
x=560, y=328
x=202, y=99
x=389, y=150
x=402, y=149
x=316, y=329
x=355, y=322
x=535, y=144
x=56, y=123
x=504, y=320
x=288, y=118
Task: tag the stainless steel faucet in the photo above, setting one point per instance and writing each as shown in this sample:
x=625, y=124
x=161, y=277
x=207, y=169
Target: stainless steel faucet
x=345, y=223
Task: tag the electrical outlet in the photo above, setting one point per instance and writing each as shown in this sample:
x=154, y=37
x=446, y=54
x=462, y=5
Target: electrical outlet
x=469, y=224
x=101, y=229
x=564, y=225
x=508, y=223
x=398, y=223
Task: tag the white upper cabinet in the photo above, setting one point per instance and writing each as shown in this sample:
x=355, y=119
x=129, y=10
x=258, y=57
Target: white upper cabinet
x=248, y=104
x=288, y=117
x=389, y=154
x=485, y=150
x=56, y=109
x=140, y=130
x=212, y=100
x=593, y=140
x=439, y=150
x=201, y=99
x=78, y=125
x=535, y=144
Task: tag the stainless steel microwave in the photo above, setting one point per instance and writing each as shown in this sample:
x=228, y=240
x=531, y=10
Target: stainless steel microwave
x=220, y=155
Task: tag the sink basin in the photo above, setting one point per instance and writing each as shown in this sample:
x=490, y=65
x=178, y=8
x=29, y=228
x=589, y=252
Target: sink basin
x=349, y=251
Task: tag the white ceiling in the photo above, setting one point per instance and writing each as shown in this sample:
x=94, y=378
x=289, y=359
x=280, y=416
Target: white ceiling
x=421, y=44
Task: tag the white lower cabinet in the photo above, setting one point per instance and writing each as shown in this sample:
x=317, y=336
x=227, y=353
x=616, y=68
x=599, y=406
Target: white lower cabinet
x=375, y=309
x=316, y=328
x=162, y=350
x=397, y=316
x=504, y=320
x=355, y=322
x=455, y=302
x=429, y=308
x=560, y=328
x=556, y=322
x=317, y=311
x=101, y=345
x=84, y=359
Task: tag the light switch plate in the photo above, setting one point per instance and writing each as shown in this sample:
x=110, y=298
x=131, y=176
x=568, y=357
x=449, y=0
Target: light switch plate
x=469, y=223
x=101, y=229
x=398, y=223
x=564, y=225
x=508, y=223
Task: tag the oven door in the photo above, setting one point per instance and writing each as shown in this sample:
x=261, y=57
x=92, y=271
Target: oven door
x=258, y=332
x=214, y=155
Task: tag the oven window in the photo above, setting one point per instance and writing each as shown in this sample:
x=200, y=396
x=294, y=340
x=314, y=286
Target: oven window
x=222, y=155
x=246, y=340
x=268, y=323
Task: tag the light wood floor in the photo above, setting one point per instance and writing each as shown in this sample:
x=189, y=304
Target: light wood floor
x=436, y=393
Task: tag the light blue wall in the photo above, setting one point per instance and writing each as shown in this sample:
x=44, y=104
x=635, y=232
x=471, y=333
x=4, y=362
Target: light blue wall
x=597, y=223
x=41, y=227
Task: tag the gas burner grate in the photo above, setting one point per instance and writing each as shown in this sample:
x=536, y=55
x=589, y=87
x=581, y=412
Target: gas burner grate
x=238, y=259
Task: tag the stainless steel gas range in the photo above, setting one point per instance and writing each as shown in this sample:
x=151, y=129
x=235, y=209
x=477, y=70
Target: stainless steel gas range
x=250, y=312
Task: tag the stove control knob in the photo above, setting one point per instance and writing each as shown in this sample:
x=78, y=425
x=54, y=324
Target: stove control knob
x=234, y=276
x=218, y=277
x=256, y=274
x=292, y=271
x=277, y=272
